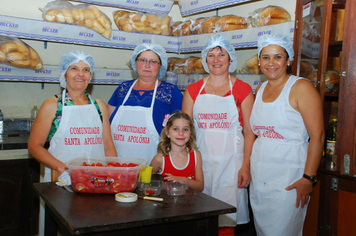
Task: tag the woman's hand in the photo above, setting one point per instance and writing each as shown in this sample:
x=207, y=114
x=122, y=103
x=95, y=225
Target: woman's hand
x=243, y=177
x=304, y=190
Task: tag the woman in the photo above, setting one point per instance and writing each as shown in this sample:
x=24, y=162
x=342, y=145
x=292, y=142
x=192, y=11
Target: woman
x=220, y=106
x=287, y=112
x=75, y=123
x=137, y=107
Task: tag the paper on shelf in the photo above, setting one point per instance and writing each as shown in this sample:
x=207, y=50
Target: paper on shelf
x=159, y=7
x=189, y=7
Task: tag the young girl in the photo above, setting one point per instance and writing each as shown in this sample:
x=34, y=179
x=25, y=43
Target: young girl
x=178, y=158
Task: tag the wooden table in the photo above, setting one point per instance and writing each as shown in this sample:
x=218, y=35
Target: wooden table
x=100, y=214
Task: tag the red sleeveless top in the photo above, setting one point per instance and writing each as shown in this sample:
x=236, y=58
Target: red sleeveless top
x=187, y=171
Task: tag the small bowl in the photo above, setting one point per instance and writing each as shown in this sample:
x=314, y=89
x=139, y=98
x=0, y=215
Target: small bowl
x=175, y=188
x=153, y=189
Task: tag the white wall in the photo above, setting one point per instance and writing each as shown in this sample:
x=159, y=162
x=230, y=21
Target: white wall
x=18, y=98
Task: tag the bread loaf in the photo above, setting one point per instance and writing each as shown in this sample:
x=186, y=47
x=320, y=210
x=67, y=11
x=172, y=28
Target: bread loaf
x=195, y=27
x=231, y=22
x=144, y=23
x=176, y=28
x=198, y=67
x=83, y=15
x=252, y=63
x=269, y=15
x=209, y=25
x=17, y=53
x=332, y=80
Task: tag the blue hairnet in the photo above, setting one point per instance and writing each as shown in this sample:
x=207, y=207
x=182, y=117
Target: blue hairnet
x=219, y=41
x=69, y=59
x=158, y=49
x=278, y=39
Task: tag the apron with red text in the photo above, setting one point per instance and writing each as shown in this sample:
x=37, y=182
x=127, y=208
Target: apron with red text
x=133, y=131
x=79, y=134
x=221, y=144
x=278, y=160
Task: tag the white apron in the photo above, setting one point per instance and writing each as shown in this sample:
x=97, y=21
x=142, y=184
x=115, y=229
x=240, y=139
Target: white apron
x=79, y=134
x=221, y=143
x=278, y=160
x=133, y=131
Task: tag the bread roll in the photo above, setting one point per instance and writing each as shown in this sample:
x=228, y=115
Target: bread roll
x=332, y=77
x=8, y=47
x=209, y=25
x=50, y=15
x=252, y=63
x=189, y=65
x=185, y=28
x=171, y=63
x=36, y=65
x=179, y=66
x=3, y=57
x=269, y=15
x=195, y=27
x=198, y=67
x=332, y=81
x=20, y=63
x=77, y=14
x=176, y=28
x=67, y=14
x=274, y=12
x=166, y=30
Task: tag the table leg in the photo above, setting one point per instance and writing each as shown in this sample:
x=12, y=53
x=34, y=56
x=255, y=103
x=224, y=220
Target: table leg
x=50, y=224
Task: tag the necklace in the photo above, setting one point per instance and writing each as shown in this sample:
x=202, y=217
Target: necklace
x=215, y=90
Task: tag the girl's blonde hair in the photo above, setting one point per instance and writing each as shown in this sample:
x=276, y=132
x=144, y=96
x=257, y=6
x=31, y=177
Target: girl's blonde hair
x=164, y=146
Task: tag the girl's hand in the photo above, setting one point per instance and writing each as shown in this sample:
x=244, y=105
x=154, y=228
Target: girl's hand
x=243, y=177
x=304, y=189
x=170, y=177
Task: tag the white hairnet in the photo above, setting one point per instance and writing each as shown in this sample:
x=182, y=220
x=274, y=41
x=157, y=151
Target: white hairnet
x=278, y=39
x=158, y=49
x=219, y=41
x=69, y=59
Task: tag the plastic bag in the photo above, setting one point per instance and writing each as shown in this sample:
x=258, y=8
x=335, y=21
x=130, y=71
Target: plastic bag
x=230, y=22
x=195, y=27
x=142, y=22
x=251, y=66
x=269, y=15
x=17, y=53
x=332, y=80
x=86, y=15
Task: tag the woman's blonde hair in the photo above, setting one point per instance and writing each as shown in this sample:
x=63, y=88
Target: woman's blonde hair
x=164, y=146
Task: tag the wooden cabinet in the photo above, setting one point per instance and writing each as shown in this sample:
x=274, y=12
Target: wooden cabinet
x=334, y=199
x=19, y=204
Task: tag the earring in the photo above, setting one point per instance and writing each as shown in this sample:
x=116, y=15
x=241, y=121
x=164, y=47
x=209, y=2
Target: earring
x=259, y=64
x=288, y=64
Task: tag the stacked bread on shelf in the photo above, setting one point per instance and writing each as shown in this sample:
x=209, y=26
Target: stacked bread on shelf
x=205, y=25
x=142, y=22
x=188, y=65
x=269, y=15
x=86, y=15
x=15, y=52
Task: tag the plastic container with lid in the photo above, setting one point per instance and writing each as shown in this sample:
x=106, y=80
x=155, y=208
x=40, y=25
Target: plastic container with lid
x=175, y=188
x=104, y=179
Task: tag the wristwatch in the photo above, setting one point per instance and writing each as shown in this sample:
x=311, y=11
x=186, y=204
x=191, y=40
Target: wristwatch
x=311, y=178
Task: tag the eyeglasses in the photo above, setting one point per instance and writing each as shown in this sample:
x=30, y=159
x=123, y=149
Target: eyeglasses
x=151, y=62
